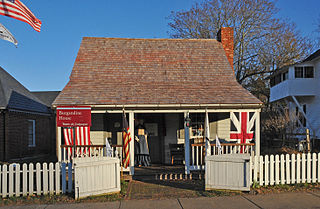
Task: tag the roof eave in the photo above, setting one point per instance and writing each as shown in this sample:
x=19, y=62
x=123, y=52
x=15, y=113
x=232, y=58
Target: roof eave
x=201, y=106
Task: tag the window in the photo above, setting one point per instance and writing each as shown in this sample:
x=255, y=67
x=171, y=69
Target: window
x=304, y=72
x=285, y=76
x=298, y=72
x=308, y=72
x=278, y=78
x=31, y=133
x=272, y=82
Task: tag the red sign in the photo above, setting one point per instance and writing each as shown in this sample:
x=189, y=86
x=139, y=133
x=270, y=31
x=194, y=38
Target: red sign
x=73, y=116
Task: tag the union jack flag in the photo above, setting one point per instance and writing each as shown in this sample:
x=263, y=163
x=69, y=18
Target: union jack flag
x=242, y=124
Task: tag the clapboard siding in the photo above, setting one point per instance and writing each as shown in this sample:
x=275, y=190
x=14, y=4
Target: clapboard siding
x=223, y=126
x=305, y=90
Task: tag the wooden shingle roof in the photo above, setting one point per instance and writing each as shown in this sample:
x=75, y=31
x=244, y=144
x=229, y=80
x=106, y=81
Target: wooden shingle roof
x=119, y=71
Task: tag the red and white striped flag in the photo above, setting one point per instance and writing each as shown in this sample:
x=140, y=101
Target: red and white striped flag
x=17, y=10
x=82, y=136
x=126, y=140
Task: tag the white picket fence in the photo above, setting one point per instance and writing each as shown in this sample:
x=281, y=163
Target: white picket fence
x=285, y=169
x=197, y=158
x=38, y=179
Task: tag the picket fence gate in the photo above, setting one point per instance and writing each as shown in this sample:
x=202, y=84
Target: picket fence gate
x=96, y=175
x=28, y=180
x=285, y=169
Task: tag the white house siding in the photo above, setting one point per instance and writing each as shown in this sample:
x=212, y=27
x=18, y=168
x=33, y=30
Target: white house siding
x=306, y=92
x=313, y=105
x=223, y=126
x=98, y=134
x=98, y=137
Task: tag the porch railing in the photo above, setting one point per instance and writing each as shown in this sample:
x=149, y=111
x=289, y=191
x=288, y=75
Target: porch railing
x=67, y=151
x=198, y=152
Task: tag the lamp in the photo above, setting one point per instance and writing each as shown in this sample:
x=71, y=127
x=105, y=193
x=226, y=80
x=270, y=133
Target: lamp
x=187, y=120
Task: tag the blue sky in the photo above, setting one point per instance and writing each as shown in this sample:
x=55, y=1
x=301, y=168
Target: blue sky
x=43, y=61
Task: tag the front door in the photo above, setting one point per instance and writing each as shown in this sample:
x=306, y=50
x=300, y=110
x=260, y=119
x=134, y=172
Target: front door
x=155, y=129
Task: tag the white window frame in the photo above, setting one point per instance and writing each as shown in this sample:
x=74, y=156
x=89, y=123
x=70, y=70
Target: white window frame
x=33, y=134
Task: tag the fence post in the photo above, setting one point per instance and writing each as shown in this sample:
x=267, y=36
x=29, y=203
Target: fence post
x=24, y=179
x=64, y=177
x=298, y=168
x=31, y=174
x=293, y=168
x=10, y=180
x=57, y=173
x=69, y=177
x=288, y=169
x=255, y=170
x=38, y=176
x=250, y=169
x=18, y=180
x=314, y=167
x=261, y=171
x=277, y=171
x=4, y=180
x=282, y=176
x=51, y=177
x=266, y=170
x=318, y=167
x=309, y=167
x=271, y=170
x=303, y=168
x=45, y=178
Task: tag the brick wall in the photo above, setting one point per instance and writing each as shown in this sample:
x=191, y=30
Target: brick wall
x=1, y=135
x=17, y=135
x=225, y=36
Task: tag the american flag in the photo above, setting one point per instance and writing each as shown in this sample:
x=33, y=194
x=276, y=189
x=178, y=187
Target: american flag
x=82, y=137
x=126, y=140
x=17, y=10
x=242, y=126
x=207, y=135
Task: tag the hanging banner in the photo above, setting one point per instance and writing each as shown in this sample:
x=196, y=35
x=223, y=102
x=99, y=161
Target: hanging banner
x=73, y=116
x=6, y=35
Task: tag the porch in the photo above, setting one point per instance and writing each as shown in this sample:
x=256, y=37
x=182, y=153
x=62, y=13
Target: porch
x=159, y=171
x=165, y=128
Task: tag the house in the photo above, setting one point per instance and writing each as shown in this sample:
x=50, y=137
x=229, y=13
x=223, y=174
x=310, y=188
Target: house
x=158, y=82
x=46, y=97
x=298, y=86
x=26, y=123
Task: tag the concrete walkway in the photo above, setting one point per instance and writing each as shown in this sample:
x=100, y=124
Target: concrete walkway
x=282, y=200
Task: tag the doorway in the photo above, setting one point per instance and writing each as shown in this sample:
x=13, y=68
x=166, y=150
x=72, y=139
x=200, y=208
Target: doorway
x=154, y=125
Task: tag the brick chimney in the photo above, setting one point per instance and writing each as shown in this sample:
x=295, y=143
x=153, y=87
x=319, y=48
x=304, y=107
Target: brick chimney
x=225, y=36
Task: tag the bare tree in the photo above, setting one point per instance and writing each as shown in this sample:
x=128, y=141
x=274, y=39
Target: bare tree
x=262, y=42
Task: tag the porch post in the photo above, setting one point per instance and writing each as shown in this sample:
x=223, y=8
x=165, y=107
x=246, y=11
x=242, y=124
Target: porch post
x=131, y=145
x=257, y=134
x=58, y=143
x=186, y=145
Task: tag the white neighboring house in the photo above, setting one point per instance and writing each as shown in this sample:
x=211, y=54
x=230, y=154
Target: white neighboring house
x=299, y=86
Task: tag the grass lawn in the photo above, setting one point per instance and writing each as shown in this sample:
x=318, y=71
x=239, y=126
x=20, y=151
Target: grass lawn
x=157, y=190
